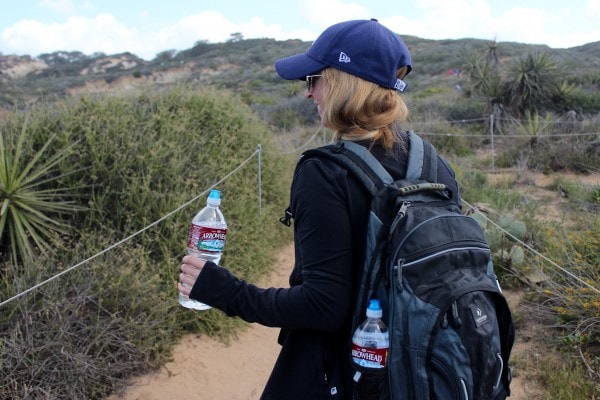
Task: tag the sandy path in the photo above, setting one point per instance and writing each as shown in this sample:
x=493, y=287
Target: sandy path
x=204, y=368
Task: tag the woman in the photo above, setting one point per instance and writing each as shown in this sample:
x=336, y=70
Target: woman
x=353, y=72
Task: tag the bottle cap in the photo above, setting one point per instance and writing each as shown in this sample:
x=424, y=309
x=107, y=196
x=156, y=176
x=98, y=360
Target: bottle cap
x=374, y=310
x=214, y=197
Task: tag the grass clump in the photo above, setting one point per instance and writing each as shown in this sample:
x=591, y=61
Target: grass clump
x=567, y=380
x=131, y=162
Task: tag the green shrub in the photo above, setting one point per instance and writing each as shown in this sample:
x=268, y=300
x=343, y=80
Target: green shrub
x=135, y=161
x=595, y=195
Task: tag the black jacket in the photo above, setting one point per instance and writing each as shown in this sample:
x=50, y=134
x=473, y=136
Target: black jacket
x=330, y=210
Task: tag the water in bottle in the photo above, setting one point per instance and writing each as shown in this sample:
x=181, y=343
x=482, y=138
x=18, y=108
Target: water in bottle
x=370, y=344
x=206, y=239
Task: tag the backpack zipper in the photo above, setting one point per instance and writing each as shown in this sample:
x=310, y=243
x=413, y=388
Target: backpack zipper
x=401, y=262
x=439, y=253
x=399, y=216
x=464, y=388
x=404, y=206
x=500, y=372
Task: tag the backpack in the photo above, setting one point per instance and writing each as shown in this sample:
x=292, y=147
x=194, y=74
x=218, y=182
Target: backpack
x=450, y=328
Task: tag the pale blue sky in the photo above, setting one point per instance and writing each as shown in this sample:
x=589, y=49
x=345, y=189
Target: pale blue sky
x=148, y=27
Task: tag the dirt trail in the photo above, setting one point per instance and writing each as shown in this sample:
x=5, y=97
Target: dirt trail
x=204, y=368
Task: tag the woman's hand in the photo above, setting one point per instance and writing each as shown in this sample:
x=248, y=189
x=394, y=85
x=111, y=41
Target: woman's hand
x=190, y=270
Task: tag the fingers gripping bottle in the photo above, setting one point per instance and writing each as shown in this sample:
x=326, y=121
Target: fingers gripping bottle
x=370, y=344
x=206, y=239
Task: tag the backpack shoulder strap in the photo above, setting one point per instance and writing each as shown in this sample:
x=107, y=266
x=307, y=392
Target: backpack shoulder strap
x=354, y=158
x=358, y=160
x=422, y=160
x=422, y=164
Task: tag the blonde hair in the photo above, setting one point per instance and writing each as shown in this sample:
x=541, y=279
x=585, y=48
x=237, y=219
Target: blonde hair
x=357, y=109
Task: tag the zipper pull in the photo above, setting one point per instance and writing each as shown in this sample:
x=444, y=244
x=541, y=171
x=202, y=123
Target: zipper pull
x=401, y=213
x=403, y=208
x=445, y=321
x=398, y=269
x=455, y=314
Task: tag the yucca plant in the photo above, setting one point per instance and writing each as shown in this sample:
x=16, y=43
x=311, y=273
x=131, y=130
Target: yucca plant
x=534, y=83
x=30, y=206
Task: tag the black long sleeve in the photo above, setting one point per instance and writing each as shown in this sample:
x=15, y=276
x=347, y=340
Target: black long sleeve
x=321, y=297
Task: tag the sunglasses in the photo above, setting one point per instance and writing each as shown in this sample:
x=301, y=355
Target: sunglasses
x=311, y=80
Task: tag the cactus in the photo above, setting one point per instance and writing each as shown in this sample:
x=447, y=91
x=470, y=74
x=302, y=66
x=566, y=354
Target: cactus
x=494, y=238
x=513, y=226
x=517, y=255
x=481, y=220
x=505, y=220
x=510, y=254
x=517, y=229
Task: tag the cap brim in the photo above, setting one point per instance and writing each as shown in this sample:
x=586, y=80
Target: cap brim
x=298, y=66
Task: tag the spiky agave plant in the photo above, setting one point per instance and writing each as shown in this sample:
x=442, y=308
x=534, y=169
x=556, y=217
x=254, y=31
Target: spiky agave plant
x=30, y=206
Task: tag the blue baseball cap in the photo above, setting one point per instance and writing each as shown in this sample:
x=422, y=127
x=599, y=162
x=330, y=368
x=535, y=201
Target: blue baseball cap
x=364, y=48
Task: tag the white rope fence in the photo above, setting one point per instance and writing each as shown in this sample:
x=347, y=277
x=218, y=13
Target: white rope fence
x=258, y=153
x=511, y=135
x=117, y=244
x=303, y=146
x=537, y=253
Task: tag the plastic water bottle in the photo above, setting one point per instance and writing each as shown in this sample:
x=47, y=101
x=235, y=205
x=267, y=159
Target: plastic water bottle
x=370, y=344
x=206, y=239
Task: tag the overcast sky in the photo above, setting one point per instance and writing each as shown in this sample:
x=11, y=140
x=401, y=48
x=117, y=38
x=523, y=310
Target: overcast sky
x=148, y=27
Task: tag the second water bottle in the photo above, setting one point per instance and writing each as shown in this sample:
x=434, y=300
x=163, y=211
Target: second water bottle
x=370, y=345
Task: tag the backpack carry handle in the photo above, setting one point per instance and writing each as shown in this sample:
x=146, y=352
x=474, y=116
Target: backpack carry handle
x=424, y=187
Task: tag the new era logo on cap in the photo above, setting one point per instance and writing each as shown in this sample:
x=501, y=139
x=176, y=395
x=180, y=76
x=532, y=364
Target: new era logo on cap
x=344, y=57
